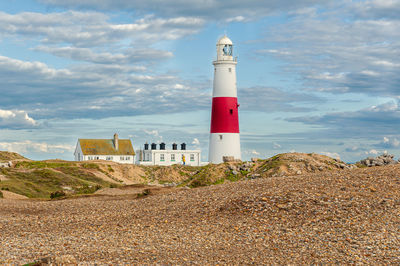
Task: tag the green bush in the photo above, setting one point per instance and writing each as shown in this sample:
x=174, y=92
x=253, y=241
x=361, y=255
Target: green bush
x=1, y=194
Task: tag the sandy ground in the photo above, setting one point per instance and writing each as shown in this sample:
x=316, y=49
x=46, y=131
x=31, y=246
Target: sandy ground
x=333, y=217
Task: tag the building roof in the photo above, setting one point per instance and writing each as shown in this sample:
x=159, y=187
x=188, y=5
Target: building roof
x=106, y=147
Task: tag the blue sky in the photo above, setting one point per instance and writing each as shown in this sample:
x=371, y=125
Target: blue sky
x=313, y=76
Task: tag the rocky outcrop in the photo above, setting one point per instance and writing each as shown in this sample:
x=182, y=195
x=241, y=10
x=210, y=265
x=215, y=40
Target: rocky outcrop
x=384, y=159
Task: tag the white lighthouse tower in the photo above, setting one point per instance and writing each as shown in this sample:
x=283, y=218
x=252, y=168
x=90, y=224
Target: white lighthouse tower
x=224, y=137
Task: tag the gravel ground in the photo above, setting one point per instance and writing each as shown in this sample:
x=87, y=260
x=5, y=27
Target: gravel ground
x=331, y=217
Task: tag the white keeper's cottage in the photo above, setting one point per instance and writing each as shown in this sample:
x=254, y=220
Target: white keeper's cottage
x=150, y=155
x=116, y=150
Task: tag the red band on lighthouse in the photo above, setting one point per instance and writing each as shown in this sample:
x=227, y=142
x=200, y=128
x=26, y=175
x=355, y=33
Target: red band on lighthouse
x=224, y=115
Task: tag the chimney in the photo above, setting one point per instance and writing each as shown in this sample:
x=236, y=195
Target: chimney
x=116, y=141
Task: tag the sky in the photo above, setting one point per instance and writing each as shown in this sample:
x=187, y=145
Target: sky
x=312, y=76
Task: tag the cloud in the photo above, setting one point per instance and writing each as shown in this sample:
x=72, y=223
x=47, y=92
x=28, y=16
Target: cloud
x=388, y=143
x=94, y=29
x=212, y=10
x=372, y=121
x=95, y=91
x=251, y=152
x=153, y=133
x=377, y=9
x=339, y=50
x=331, y=154
x=276, y=146
x=30, y=146
x=16, y=119
x=275, y=100
x=353, y=149
x=196, y=141
x=125, y=57
x=373, y=151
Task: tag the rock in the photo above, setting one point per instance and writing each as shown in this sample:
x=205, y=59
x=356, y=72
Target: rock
x=254, y=176
x=4, y=165
x=231, y=167
x=228, y=159
x=235, y=172
x=384, y=159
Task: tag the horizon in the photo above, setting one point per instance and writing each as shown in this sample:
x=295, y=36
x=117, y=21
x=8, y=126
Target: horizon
x=311, y=77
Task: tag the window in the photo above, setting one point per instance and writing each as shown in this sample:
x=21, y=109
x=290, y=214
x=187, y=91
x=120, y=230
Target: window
x=192, y=157
x=121, y=158
x=231, y=111
x=109, y=158
x=162, y=157
x=230, y=69
x=127, y=158
x=220, y=137
x=173, y=157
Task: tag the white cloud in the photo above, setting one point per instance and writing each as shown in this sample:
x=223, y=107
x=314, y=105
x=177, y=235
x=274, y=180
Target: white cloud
x=372, y=151
x=153, y=133
x=196, y=141
x=389, y=142
x=276, y=146
x=236, y=19
x=94, y=29
x=252, y=152
x=16, y=119
x=331, y=154
x=29, y=146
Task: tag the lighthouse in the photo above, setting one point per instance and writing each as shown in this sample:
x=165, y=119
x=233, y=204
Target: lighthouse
x=224, y=131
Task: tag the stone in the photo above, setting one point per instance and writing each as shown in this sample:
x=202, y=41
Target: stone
x=228, y=159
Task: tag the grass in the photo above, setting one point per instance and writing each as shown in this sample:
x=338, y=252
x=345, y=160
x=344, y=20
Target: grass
x=8, y=156
x=38, y=181
x=110, y=169
x=43, y=164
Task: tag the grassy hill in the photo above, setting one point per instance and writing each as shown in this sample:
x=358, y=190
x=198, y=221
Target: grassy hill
x=39, y=179
x=6, y=156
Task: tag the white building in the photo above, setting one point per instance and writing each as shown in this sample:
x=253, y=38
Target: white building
x=224, y=130
x=116, y=150
x=150, y=155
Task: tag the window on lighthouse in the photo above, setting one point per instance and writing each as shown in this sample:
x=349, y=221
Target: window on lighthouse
x=227, y=49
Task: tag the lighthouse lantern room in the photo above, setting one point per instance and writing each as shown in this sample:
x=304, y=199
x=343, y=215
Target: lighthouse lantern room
x=224, y=131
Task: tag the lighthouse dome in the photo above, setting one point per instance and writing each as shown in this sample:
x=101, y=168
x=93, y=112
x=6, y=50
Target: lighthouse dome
x=224, y=49
x=224, y=40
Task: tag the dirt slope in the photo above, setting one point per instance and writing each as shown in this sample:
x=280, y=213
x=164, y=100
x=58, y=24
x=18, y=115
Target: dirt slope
x=328, y=217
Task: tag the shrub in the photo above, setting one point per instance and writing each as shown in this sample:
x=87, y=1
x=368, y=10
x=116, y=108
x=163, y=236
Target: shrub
x=57, y=194
x=1, y=194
